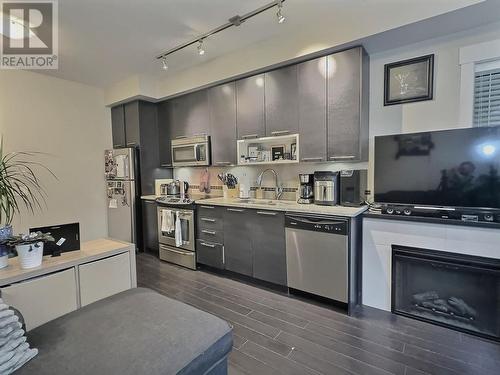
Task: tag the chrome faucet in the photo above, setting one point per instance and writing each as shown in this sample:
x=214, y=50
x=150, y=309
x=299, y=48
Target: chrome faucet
x=278, y=189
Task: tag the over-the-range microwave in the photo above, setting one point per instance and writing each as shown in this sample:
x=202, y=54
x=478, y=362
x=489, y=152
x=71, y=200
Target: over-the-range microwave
x=191, y=151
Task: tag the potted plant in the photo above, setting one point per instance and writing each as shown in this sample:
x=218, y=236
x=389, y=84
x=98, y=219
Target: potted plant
x=29, y=247
x=19, y=188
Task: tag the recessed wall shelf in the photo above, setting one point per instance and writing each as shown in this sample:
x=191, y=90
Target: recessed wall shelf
x=282, y=149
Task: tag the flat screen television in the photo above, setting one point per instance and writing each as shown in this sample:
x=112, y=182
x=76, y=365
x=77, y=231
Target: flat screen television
x=449, y=168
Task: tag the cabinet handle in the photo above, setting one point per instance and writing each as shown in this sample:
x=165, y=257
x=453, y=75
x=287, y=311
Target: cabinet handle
x=208, y=220
x=208, y=207
x=249, y=136
x=181, y=136
x=207, y=244
x=211, y=232
x=117, y=145
x=223, y=255
x=280, y=132
x=200, y=135
x=267, y=213
x=223, y=162
x=312, y=159
x=149, y=201
x=235, y=209
x=165, y=165
x=131, y=144
x=343, y=157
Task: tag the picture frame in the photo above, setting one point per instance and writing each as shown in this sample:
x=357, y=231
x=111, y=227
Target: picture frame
x=408, y=81
x=278, y=152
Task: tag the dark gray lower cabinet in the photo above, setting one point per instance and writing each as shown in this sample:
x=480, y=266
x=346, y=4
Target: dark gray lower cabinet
x=150, y=226
x=238, y=241
x=268, y=243
x=210, y=254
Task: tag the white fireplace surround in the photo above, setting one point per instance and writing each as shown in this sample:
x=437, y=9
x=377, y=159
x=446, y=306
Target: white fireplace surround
x=380, y=234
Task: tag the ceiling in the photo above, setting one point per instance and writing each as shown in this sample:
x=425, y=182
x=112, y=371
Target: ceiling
x=102, y=42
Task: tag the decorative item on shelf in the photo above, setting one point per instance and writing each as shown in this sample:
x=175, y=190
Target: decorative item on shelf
x=278, y=152
x=19, y=187
x=293, y=149
x=29, y=247
x=409, y=80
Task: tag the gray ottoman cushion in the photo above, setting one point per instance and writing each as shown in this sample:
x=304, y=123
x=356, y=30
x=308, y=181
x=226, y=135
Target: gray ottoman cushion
x=135, y=332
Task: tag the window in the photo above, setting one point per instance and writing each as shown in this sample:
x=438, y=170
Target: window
x=487, y=98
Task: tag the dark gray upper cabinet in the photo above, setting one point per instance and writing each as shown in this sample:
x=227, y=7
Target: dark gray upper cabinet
x=190, y=115
x=348, y=105
x=312, y=79
x=164, y=133
x=281, y=98
x=250, y=115
x=132, y=121
x=268, y=242
x=222, y=108
x=238, y=241
x=118, y=126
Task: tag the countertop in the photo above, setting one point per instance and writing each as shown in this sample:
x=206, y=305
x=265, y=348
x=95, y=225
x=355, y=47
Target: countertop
x=282, y=205
x=90, y=251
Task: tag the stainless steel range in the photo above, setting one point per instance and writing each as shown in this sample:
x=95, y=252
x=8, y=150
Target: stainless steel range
x=176, y=227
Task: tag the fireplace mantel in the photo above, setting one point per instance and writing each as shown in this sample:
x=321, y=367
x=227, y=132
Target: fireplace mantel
x=380, y=234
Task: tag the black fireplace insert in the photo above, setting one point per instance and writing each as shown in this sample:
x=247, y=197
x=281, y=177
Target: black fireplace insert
x=457, y=291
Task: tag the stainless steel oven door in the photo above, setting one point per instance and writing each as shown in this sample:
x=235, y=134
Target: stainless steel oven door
x=187, y=228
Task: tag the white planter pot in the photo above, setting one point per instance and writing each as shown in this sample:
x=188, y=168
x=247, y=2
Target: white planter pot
x=4, y=261
x=30, y=256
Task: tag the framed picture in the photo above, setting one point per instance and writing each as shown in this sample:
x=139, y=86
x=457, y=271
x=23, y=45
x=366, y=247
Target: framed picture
x=409, y=80
x=278, y=152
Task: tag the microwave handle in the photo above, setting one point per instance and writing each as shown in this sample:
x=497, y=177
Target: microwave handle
x=197, y=152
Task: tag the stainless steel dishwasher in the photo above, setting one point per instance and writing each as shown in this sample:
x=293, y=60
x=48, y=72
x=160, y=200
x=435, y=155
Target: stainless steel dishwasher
x=317, y=255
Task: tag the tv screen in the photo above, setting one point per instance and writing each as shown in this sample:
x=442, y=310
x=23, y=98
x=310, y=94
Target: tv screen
x=452, y=168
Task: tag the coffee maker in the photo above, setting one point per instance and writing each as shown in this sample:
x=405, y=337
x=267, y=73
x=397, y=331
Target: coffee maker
x=306, y=189
x=326, y=188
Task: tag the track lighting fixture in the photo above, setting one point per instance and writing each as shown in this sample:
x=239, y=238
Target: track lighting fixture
x=235, y=21
x=279, y=15
x=201, y=50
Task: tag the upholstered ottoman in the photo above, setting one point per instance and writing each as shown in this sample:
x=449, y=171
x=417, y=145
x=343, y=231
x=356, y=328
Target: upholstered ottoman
x=135, y=332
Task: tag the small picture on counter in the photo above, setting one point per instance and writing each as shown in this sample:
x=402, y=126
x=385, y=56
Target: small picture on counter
x=294, y=151
x=278, y=152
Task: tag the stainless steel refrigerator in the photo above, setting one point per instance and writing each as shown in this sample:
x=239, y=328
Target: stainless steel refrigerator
x=121, y=188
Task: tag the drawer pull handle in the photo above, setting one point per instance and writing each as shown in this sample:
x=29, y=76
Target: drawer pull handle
x=211, y=232
x=312, y=159
x=165, y=165
x=208, y=207
x=223, y=162
x=342, y=157
x=278, y=132
x=235, y=209
x=207, y=245
x=131, y=144
x=208, y=220
x=249, y=136
x=266, y=213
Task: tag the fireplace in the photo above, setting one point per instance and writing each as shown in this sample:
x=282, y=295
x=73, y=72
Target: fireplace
x=458, y=291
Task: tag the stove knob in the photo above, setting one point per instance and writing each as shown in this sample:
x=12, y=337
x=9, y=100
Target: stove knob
x=407, y=212
x=389, y=210
x=488, y=217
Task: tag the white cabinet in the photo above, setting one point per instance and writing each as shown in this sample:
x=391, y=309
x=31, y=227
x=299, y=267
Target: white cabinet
x=43, y=299
x=103, y=278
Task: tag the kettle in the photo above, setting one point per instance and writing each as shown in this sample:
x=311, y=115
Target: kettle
x=174, y=187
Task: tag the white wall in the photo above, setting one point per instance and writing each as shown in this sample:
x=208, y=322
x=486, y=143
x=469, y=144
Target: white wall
x=68, y=121
x=443, y=112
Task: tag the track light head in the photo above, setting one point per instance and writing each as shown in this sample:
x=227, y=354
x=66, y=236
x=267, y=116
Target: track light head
x=164, y=64
x=279, y=15
x=201, y=50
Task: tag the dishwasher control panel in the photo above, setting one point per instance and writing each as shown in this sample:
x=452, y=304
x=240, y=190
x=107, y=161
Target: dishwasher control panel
x=318, y=224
